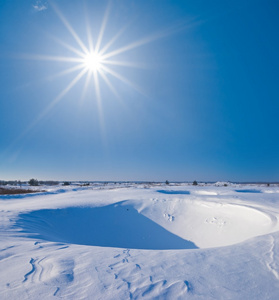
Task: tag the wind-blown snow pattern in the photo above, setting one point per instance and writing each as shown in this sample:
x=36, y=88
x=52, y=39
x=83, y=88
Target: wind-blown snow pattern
x=141, y=242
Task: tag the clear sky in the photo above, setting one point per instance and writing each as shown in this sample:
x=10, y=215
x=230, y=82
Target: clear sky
x=139, y=90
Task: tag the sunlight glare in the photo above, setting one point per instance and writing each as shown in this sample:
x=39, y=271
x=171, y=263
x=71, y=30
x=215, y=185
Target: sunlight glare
x=93, y=62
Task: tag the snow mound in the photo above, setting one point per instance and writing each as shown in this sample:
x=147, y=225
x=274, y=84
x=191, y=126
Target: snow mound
x=207, y=193
x=271, y=191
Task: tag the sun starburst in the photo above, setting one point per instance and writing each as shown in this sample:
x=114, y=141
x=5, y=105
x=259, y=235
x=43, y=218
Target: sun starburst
x=95, y=62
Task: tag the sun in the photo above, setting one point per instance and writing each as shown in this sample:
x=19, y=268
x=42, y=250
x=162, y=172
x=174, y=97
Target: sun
x=93, y=61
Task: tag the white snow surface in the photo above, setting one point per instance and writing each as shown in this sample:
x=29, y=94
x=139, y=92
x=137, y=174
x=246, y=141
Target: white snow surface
x=141, y=241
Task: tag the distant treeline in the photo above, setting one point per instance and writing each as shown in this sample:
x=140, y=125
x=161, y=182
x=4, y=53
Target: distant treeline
x=11, y=182
x=19, y=182
x=35, y=182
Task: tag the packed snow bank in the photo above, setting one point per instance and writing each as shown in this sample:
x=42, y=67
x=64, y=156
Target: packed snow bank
x=116, y=225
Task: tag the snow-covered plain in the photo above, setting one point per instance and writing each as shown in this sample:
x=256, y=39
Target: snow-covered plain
x=141, y=242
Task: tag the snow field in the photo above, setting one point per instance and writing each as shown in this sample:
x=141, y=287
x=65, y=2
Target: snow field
x=135, y=243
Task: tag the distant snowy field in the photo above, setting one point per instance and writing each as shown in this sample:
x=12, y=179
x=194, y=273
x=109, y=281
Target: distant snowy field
x=139, y=241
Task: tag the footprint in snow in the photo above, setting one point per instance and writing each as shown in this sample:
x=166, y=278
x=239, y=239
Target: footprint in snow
x=169, y=217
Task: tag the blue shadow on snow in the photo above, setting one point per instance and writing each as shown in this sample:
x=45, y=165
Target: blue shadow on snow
x=248, y=191
x=117, y=225
x=174, y=192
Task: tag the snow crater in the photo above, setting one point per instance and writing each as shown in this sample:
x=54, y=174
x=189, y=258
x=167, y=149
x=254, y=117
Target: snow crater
x=117, y=225
x=159, y=225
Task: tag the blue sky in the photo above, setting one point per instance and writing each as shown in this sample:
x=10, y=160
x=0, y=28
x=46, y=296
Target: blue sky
x=199, y=99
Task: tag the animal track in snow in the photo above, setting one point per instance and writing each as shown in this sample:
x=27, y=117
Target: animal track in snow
x=138, y=285
x=217, y=221
x=56, y=291
x=169, y=217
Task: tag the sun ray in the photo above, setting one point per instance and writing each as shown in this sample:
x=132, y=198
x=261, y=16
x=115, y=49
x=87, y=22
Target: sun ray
x=123, y=79
x=101, y=33
x=49, y=107
x=86, y=85
x=110, y=43
x=89, y=34
x=68, y=88
x=100, y=108
x=59, y=97
x=51, y=58
x=73, y=49
x=69, y=27
x=111, y=87
x=142, y=41
x=97, y=92
x=129, y=47
x=65, y=72
x=125, y=64
x=109, y=84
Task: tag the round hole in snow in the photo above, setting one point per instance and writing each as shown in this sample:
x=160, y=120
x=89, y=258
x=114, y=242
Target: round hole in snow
x=114, y=225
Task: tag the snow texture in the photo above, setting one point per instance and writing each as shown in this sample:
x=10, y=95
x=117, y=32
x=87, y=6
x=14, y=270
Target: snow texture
x=141, y=242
